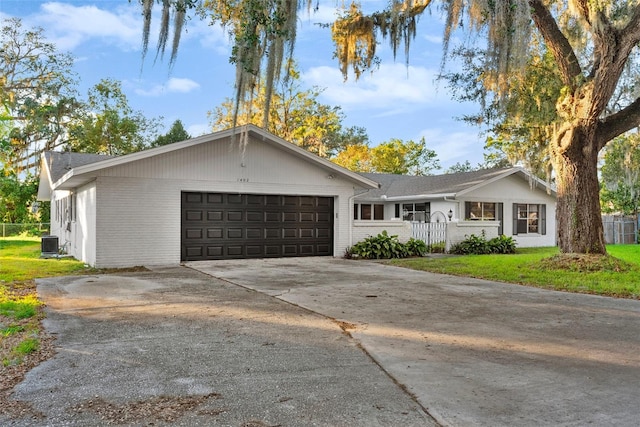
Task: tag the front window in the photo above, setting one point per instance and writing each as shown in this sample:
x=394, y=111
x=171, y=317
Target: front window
x=367, y=211
x=480, y=211
x=528, y=216
x=415, y=212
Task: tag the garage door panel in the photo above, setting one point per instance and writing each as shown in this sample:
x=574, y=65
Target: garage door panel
x=234, y=233
x=193, y=234
x=253, y=199
x=234, y=216
x=324, y=216
x=254, y=233
x=307, y=233
x=272, y=233
x=254, y=216
x=272, y=216
x=289, y=233
x=215, y=233
x=235, y=199
x=220, y=225
x=307, y=217
x=290, y=216
x=215, y=251
x=214, y=198
x=194, y=198
x=214, y=215
x=193, y=215
x=194, y=251
x=323, y=233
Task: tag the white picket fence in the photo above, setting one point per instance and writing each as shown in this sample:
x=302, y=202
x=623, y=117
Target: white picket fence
x=430, y=232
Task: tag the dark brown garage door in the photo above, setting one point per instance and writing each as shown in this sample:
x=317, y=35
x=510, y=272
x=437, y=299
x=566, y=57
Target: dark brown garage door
x=223, y=226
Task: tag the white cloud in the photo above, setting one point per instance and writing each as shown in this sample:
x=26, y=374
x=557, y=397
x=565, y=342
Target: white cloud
x=69, y=26
x=433, y=39
x=393, y=87
x=454, y=147
x=209, y=36
x=181, y=85
x=173, y=85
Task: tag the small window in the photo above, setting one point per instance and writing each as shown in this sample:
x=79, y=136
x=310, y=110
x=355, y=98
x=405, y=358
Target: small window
x=365, y=211
x=368, y=212
x=480, y=211
x=378, y=212
x=529, y=219
x=415, y=212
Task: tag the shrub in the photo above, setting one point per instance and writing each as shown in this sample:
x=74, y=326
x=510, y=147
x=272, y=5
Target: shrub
x=472, y=245
x=502, y=245
x=436, y=248
x=479, y=245
x=416, y=247
x=384, y=246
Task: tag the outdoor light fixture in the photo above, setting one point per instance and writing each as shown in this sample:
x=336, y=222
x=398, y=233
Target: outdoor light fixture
x=450, y=214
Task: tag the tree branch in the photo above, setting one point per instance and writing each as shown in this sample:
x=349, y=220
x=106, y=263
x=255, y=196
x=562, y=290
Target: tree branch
x=631, y=32
x=618, y=123
x=556, y=41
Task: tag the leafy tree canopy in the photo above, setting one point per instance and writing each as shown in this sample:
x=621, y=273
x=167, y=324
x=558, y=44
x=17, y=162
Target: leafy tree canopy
x=177, y=133
x=620, y=175
x=393, y=156
x=109, y=125
x=296, y=116
x=37, y=95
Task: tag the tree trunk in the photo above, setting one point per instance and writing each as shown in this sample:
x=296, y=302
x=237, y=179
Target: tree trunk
x=578, y=215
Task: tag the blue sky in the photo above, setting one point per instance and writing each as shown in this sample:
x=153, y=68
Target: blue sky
x=394, y=102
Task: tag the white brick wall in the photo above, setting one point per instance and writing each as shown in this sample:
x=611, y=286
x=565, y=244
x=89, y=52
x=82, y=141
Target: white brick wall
x=364, y=229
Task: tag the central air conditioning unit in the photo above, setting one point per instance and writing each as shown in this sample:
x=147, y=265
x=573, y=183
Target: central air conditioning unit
x=49, y=246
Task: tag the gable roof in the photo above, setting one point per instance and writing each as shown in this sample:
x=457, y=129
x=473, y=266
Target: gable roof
x=69, y=170
x=405, y=187
x=56, y=164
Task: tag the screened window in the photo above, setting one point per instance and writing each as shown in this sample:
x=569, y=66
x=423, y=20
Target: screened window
x=367, y=211
x=484, y=211
x=416, y=212
x=529, y=218
x=480, y=211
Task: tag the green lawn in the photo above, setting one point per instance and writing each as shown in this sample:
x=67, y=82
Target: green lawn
x=20, y=260
x=618, y=276
x=20, y=309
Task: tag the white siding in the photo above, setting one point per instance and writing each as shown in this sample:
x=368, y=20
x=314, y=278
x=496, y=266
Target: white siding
x=138, y=217
x=508, y=191
x=364, y=229
x=84, y=240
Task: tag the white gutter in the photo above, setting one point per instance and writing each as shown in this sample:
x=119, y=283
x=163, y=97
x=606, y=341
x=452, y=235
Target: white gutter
x=419, y=196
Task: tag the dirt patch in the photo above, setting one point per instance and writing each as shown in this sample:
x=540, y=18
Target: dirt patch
x=14, y=373
x=585, y=263
x=162, y=408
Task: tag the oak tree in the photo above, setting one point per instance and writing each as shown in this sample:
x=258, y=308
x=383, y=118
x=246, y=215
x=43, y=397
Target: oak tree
x=590, y=41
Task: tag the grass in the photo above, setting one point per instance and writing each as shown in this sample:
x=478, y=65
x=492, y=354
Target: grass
x=615, y=275
x=20, y=308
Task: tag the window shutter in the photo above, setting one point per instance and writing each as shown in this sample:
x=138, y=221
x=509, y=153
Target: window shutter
x=398, y=211
x=499, y=217
x=467, y=210
x=543, y=219
x=515, y=219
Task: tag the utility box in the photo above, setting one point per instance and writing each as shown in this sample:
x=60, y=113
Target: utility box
x=49, y=246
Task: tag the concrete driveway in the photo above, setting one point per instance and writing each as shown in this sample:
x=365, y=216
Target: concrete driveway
x=197, y=345
x=473, y=352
